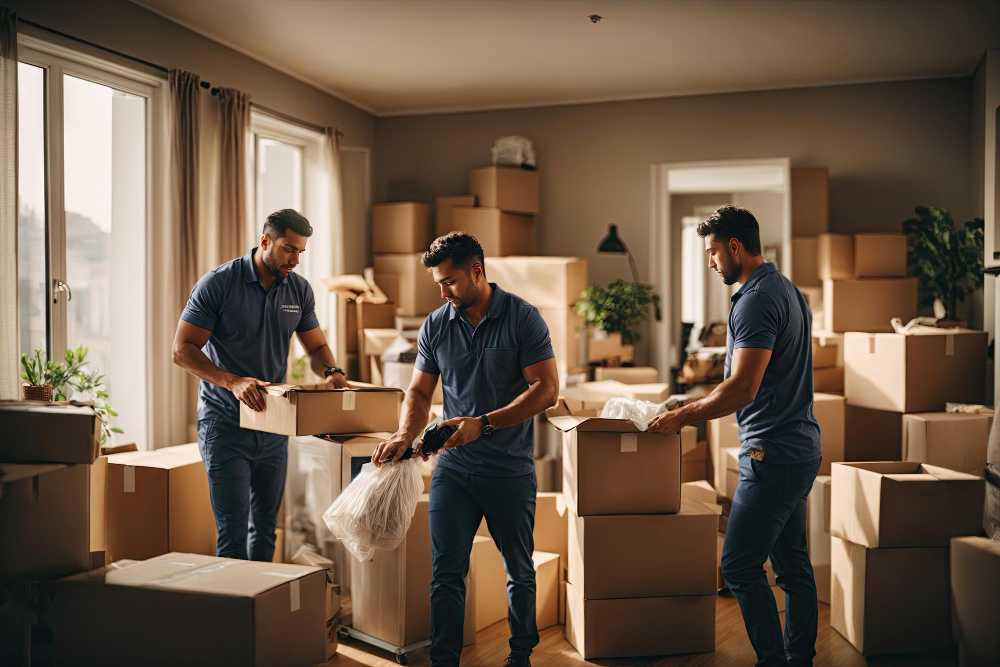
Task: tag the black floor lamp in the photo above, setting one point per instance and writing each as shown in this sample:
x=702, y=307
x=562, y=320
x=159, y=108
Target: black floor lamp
x=612, y=245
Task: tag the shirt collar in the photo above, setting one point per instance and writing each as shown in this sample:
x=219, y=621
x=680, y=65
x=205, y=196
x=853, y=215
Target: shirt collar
x=755, y=277
x=250, y=271
x=496, y=304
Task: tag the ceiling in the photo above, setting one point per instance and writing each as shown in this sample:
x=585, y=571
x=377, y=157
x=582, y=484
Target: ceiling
x=398, y=57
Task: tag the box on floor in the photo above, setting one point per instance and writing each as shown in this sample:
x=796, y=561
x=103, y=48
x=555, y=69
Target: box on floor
x=810, y=200
x=627, y=374
x=818, y=534
x=98, y=503
x=828, y=409
x=316, y=409
x=400, y=227
x=37, y=432
x=489, y=579
x=500, y=233
x=915, y=372
x=442, y=211
x=804, y=269
x=975, y=580
x=551, y=532
x=952, y=440
x=868, y=304
x=544, y=282
x=506, y=188
x=413, y=291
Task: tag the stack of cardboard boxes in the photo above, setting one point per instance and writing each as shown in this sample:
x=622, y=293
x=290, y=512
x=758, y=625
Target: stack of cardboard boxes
x=499, y=210
x=810, y=218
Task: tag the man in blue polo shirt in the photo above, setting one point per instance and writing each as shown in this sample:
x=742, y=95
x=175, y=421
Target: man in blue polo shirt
x=768, y=384
x=234, y=335
x=493, y=354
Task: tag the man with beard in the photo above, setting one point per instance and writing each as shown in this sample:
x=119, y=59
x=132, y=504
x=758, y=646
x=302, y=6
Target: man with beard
x=768, y=384
x=497, y=368
x=234, y=335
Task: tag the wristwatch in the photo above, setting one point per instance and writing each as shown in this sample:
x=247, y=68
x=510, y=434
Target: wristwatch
x=334, y=369
x=487, y=427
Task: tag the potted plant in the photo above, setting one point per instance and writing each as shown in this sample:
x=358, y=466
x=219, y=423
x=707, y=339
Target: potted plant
x=947, y=258
x=619, y=307
x=36, y=386
x=90, y=385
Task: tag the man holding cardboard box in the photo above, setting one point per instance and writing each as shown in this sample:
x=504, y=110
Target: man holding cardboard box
x=497, y=368
x=768, y=383
x=234, y=335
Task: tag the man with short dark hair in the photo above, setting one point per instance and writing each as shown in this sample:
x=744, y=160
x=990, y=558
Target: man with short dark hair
x=768, y=384
x=234, y=335
x=493, y=354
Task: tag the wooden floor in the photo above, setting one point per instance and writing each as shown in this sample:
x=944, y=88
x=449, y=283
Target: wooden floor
x=731, y=648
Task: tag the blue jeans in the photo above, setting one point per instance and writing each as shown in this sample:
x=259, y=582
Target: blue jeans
x=768, y=518
x=458, y=503
x=246, y=479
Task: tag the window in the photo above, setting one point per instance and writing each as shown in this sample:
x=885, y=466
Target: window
x=83, y=187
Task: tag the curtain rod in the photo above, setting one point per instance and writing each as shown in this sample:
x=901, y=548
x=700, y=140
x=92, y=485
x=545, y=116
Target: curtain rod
x=161, y=68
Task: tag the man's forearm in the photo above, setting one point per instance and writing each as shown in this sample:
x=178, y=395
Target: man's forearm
x=535, y=400
x=321, y=359
x=413, y=415
x=195, y=362
x=724, y=400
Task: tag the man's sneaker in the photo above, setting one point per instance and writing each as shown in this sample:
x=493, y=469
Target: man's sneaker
x=517, y=661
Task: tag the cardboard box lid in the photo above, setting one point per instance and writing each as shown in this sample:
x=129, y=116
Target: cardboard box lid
x=166, y=458
x=911, y=472
x=569, y=422
x=16, y=472
x=59, y=409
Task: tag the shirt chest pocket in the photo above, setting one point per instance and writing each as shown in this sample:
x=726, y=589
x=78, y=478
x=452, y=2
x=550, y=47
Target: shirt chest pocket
x=501, y=366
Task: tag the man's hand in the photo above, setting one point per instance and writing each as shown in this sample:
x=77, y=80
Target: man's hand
x=667, y=423
x=390, y=450
x=469, y=429
x=245, y=390
x=336, y=381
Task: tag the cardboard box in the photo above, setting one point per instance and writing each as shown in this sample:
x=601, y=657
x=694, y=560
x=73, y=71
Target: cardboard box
x=632, y=627
x=547, y=568
x=158, y=501
x=414, y=291
x=694, y=463
x=607, y=348
x=975, y=614
x=44, y=520
x=400, y=227
x=868, y=304
x=544, y=282
x=879, y=255
x=731, y=459
x=566, y=331
x=610, y=467
x=701, y=490
x=890, y=600
x=805, y=272
x=562, y=602
x=627, y=374
x=704, y=366
x=952, y=440
x=829, y=380
x=442, y=212
x=547, y=469
x=872, y=435
x=916, y=372
x=904, y=504
x=37, y=432
x=835, y=256
x=666, y=554
x=391, y=593
x=279, y=546
x=827, y=350
x=268, y=613
x=490, y=583
x=810, y=200
x=812, y=295
x=818, y=534
x=828, y=409
x=354, y=317
x=317, y=409
x=500, y=233
x=722, y=433
x=606, y=390
x=505, y=188
x=375, y=341
x=551, y=533
x=98, y=503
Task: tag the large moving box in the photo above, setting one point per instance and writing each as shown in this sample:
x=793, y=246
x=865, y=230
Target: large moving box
x=442, y=212
x=489, y=580
x=872, y=435
x=915, y=372
x=501, y=234
x=904, y=504
x=400, y=227
x=810, y=200
x=868, y=304
x=644, y=555
x=37, y=432
x=804, y=269
x=890, y=600
x=317, y=409
x=156, y=502
x=44, y=520
x=544, y=282
x=414, y=292
x=551, y=533
x=952, y=440
x=818, y=534
x=879, y=255
x=506, y=188
x=547, y=567
x=975, y=607
x=180, y=609
x=828, y=409
x=835, y=256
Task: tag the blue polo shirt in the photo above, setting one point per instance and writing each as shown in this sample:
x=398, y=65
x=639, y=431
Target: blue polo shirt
x=251, y=327
x=769, y=312
x=481, y=371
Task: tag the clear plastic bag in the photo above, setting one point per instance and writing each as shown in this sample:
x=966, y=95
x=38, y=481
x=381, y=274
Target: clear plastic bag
x=513, y=151
x=375, y=510
x=637, y=411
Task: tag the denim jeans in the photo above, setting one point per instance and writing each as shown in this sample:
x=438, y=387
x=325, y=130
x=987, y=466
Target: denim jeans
x=458, y=503
x=246, y=479
x=768, y=519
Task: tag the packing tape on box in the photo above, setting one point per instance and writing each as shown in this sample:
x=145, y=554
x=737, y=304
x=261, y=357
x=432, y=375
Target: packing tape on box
x=129, y=479
x=949, y=345
x=871, y=344
x=180, y=576
x=630, y=442
x=294, y=595
x=348, y=402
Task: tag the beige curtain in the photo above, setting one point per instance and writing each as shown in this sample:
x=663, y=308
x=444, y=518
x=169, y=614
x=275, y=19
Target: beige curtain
x=185, y=89
x=233, y=133
x=335, y=199
x=9, y=363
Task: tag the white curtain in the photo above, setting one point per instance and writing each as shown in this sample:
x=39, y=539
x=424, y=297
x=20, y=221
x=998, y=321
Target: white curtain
x=9, y=363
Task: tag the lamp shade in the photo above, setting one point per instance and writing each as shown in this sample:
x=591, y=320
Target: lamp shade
x=611, y=243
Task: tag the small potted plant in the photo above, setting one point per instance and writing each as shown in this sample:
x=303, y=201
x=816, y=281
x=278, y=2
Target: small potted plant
x=36, y=386
x=618, y=308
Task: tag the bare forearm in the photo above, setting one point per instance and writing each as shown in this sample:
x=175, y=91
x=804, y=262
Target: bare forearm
x=321, y=359
x=195, y=362
x=539, y=396
x=724, y=400
x=414, y=415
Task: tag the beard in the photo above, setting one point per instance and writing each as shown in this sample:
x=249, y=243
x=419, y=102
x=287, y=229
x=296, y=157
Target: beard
x=467, y=300
x=272, y=265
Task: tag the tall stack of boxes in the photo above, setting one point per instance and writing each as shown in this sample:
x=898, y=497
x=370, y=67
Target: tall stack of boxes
x=401, y=233
x=810, y=218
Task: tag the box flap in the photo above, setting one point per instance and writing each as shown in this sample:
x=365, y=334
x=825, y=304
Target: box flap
x=164, y=459
x=569, y=422
x=692, y=506
x=353, y=438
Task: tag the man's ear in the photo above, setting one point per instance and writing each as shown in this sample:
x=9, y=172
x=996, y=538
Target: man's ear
x=734, y=246
x=477, y=271
x=265, y=241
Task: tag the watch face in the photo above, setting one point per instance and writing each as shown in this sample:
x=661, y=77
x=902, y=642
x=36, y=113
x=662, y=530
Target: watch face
x=487, y=430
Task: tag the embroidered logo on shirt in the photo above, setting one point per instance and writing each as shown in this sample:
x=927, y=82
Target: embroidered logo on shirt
x=289, y=307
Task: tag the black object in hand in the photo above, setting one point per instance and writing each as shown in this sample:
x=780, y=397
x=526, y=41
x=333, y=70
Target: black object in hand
x=434, y=439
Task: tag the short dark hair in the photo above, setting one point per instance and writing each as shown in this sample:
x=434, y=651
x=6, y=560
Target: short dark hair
x=463, y=250
x=281, y=221
x=733, y=222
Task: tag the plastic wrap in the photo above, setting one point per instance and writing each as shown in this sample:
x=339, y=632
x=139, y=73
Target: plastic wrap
x=513, y=151
x=637, y=411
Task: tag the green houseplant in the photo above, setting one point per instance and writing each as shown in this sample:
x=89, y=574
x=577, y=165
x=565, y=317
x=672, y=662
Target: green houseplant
x=619, y=307
x=36, y=386
x=947, y=258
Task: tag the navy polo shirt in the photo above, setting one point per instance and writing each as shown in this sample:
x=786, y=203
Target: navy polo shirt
x=251, y=327
x=481, y=371
x=769, y=312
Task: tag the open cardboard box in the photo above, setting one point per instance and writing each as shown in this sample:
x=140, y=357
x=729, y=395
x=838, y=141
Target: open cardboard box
x=317, y=409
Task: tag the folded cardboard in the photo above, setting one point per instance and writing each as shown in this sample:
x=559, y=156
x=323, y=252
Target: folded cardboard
x=627, y=374
x=608, y=348
x=722, y=433
x=505, y=188
x=490, y=583
x=442, y=211
x=318, y=409
x=610, y=467
x=835, y=256
x=400, y=227
x=810, y=200
x=879, y=255
x=37, y=432
x=804, y=267
x=158, y=501
x=829, y=380
x=501, y=234
x=890, y=600
x=391, y=593
x=544, y=282
x=915, y=372
x=818, y=534
x=868, y=304
x=872, y=435
x=828, y=409
x=44, y=520
x=975, y=611
x=667, y=554
x=952, y=440
x=414, y=291
x=607, y=389
x=225, y=612
x=632, y=627
x=904, y=504
x=547, y=566
x=566, y=331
